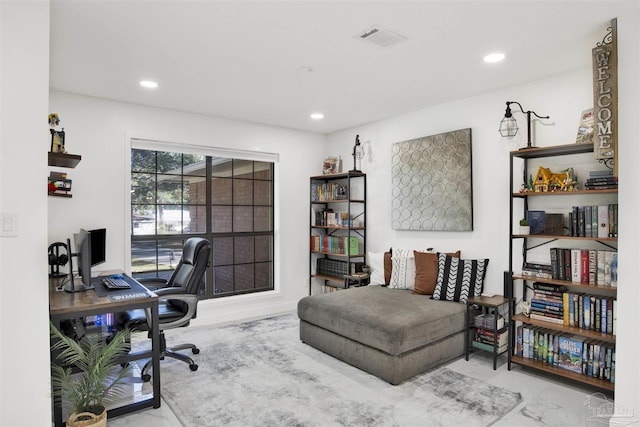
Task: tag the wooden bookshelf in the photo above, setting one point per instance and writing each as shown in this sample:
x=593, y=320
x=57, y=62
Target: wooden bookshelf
x=587, y=333
x=564, y=373
x=568, y=284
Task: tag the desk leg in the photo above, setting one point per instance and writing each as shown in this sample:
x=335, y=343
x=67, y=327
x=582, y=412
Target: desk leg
x=55, y=401
x=155, y=348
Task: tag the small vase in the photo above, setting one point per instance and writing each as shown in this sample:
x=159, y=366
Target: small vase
x=525, y=229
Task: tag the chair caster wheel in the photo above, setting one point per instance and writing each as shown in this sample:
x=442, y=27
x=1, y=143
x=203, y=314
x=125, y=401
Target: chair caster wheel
x=146, y=378
x=195, y=350
x=193, y=367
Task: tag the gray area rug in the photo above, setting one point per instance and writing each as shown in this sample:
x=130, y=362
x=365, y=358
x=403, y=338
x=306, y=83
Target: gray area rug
x=260, y=374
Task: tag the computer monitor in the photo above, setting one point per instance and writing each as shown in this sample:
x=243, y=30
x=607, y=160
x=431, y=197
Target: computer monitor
x=82, y=241
x=98, y=246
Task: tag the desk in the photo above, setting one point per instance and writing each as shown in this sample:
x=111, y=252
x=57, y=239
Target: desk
x=64, y=305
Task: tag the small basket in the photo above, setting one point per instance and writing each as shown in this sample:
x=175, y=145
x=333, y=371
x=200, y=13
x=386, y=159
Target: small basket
x=93, y=421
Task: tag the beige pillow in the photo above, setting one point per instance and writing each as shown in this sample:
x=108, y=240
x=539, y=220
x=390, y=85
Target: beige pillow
x=427, y=271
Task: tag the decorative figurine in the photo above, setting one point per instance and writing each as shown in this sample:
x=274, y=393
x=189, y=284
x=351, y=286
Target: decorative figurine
x=57, y=137
x=357, y=154
x=547, y=181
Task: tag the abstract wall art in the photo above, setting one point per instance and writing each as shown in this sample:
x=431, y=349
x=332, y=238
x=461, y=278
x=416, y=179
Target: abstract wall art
x=431, y=183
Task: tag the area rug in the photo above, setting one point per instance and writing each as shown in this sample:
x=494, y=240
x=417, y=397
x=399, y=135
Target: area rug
x=259, y=373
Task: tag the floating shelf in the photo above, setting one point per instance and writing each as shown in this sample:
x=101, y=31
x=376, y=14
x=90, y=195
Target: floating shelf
x=64, y=160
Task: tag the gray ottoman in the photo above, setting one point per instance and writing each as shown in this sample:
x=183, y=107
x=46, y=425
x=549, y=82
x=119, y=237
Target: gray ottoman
x=390, y=333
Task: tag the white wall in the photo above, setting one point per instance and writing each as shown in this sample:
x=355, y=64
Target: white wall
x=24, y=136
x=100, y=131
x=562, y=97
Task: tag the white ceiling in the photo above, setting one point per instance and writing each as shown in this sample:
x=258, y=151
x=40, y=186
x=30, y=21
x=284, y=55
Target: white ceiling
x=250, y=60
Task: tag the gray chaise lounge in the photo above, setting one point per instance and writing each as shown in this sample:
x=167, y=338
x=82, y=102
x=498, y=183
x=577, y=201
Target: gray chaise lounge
x=390, y=333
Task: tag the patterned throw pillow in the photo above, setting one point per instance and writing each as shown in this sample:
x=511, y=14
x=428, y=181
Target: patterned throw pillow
x=403, y=270
x=459, y=279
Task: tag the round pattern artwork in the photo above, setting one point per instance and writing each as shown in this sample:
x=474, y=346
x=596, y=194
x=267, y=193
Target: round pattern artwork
x=431, y=183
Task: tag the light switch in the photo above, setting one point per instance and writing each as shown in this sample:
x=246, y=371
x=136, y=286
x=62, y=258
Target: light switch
x=9, y=225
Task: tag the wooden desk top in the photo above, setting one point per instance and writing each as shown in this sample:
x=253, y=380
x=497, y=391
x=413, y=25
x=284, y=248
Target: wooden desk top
x=63, y=303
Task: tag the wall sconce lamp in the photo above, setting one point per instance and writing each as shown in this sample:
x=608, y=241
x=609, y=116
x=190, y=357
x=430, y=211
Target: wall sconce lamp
x=509, y=126
x=358, y=154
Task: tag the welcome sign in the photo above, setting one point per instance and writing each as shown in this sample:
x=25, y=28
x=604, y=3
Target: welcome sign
x=605, y=96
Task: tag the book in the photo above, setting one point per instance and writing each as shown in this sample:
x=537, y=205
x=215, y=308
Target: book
x=546, y=318
x=536, y=222
x=570, y=353
x=576, y=265
x=585, y=127
x=488, y=347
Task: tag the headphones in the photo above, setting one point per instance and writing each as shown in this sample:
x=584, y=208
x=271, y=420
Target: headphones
x=56, y=259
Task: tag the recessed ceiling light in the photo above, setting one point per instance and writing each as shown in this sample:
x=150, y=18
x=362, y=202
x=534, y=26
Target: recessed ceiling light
x=494, y=57
x=148, y=84
x=317, y=116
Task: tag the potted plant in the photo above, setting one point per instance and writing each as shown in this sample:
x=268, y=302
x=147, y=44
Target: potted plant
x=524, y=227
x=100, y=378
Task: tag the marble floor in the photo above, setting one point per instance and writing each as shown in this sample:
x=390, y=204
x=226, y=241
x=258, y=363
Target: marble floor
x=545, y=400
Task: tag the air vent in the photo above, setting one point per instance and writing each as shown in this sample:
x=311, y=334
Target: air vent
x=381, y=36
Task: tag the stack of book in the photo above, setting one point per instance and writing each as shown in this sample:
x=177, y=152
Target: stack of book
x=547, y=303
x=487, y=321
x=595, y=267
x=594, y=221
x=327, y=217
x=590, y=357
x=59, y=184
x=484, y=340
x=590, y=312
x=601, y=180
x=536, y=269
x=328, y=191
x=339, y=245
x=332, y=267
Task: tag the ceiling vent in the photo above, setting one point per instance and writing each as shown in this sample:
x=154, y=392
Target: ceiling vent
x=381, y=36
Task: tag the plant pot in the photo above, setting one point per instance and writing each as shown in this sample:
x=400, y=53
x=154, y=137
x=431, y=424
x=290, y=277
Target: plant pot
x=87, y=419
x=525, y=229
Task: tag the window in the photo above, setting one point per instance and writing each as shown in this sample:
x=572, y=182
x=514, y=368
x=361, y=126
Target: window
x=225, y=200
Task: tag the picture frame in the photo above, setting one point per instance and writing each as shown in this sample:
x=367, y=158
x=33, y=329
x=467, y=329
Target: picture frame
x=332, y=165
x=57, y=141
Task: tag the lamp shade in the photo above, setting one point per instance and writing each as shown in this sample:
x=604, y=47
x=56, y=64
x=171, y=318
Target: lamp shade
x=508, y=126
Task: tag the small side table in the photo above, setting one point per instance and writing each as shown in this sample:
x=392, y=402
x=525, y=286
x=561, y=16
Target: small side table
x=487, y=303
x=355, y=280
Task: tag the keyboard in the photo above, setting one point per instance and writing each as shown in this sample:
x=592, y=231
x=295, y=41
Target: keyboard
x=115, y=283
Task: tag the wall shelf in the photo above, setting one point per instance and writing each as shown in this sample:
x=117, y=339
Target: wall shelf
x=64, y=160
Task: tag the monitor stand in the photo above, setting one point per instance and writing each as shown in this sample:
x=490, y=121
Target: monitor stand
x=76, y=287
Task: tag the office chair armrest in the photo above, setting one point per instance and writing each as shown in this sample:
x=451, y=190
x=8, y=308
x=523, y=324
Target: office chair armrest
x=192, y=304
x=162, y=292
x=153, y=283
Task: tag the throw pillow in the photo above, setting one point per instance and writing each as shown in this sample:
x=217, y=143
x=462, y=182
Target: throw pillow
x=403, y=269
x=387, y=268
x=375, y=261
x=459, y=279
x=427, y=271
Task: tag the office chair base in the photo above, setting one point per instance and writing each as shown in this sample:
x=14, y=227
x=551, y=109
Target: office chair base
x=172, y=352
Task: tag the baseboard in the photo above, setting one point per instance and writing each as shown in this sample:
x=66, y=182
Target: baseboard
x=215, y=312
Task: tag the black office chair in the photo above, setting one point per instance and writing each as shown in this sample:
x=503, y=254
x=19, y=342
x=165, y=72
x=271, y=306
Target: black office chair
x=178, y=301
